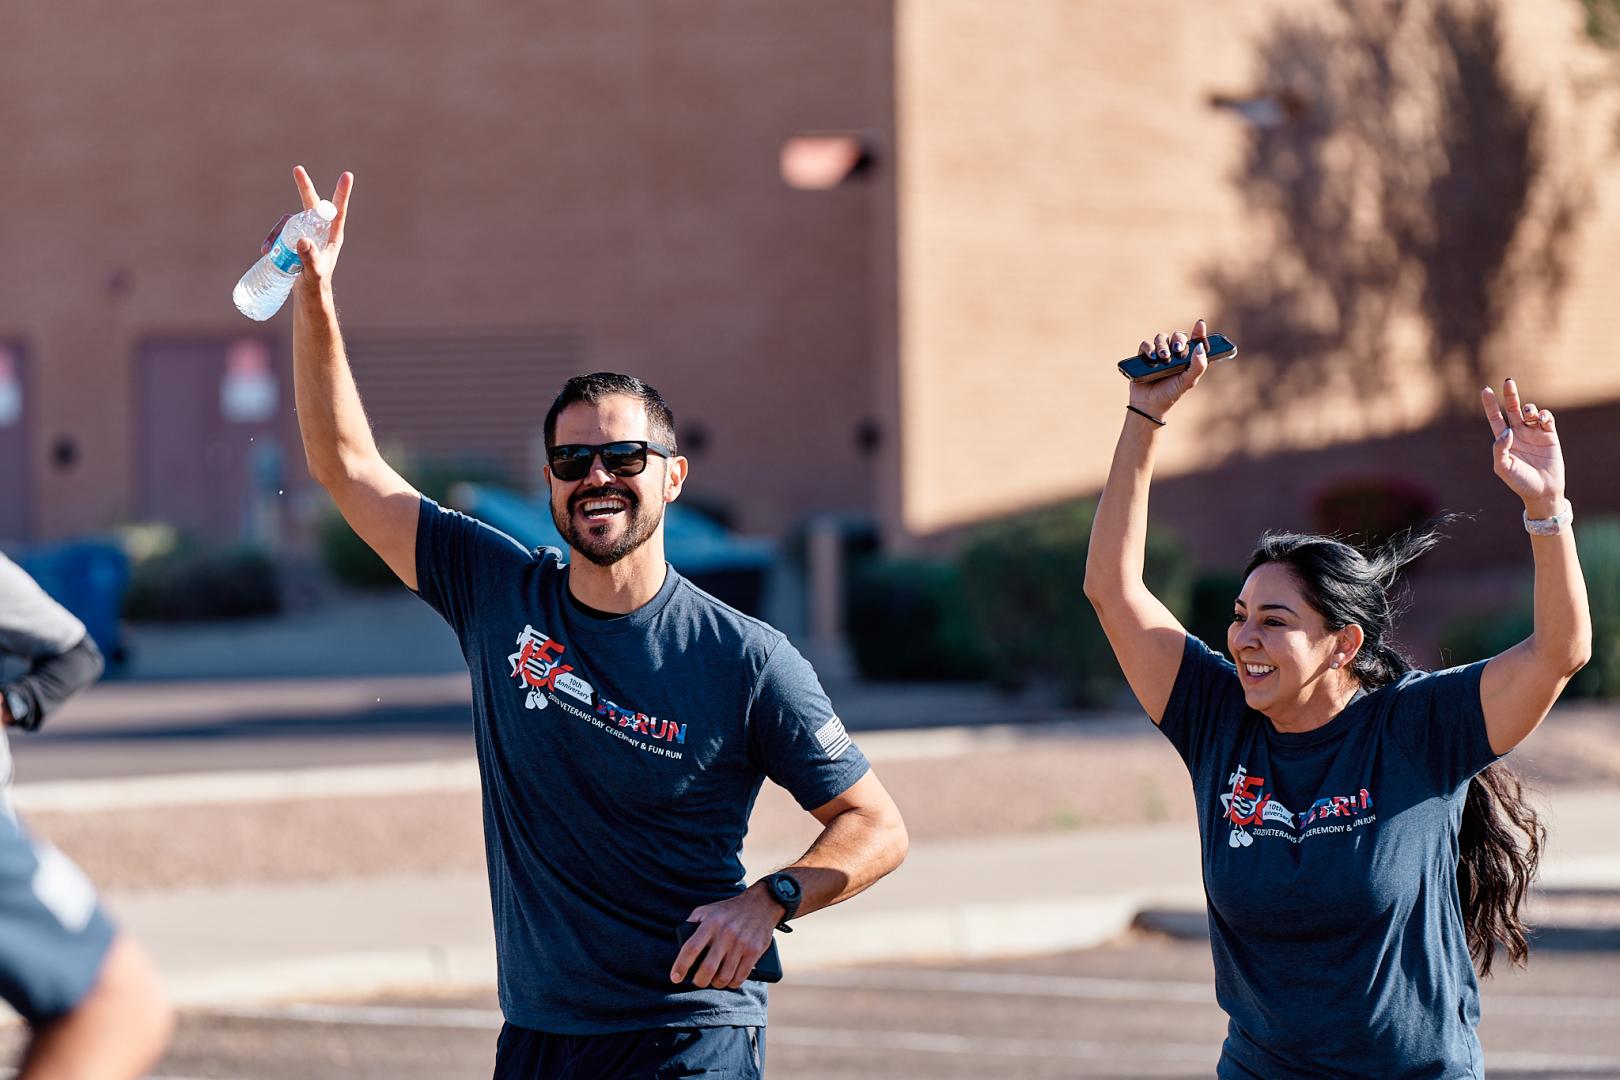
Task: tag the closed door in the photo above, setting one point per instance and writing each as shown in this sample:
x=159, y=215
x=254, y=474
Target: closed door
x=215, y=416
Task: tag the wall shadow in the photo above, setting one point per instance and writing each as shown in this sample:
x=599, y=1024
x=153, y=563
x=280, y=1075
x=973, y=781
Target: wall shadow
x=1406, y=210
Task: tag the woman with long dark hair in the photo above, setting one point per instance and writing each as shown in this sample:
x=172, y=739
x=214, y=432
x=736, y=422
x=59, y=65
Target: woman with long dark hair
x=1362, y=847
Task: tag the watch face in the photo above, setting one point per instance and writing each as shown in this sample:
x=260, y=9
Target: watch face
x=785, y=887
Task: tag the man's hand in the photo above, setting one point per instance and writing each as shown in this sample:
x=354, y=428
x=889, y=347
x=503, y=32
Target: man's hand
x=319, y=264
x=736, y=933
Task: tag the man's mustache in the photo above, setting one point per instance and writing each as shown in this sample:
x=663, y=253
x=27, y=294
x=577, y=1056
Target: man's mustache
x=604, y=493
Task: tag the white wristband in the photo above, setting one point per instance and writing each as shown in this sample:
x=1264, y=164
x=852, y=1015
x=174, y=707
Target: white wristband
x=1549, y=526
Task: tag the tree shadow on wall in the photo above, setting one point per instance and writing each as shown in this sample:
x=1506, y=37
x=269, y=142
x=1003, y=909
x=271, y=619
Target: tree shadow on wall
x=1407, y=209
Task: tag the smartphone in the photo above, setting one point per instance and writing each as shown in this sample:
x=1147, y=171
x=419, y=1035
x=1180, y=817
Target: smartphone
x=768, y=968
x=1141, y=368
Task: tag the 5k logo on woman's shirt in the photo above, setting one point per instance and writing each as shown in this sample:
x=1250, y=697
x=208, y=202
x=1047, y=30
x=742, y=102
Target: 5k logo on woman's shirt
x=1248, y=803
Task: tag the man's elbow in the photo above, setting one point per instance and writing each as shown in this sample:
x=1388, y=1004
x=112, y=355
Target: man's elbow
x=896, y=842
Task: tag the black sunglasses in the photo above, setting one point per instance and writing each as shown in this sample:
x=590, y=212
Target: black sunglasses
x=572, y=461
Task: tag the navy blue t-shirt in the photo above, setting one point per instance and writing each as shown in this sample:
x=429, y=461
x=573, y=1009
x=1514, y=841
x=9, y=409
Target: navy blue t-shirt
x=1330, y=866
x=620, y=761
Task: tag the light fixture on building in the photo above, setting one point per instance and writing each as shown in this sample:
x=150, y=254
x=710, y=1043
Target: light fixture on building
x=817, y=162
x=1264, y=110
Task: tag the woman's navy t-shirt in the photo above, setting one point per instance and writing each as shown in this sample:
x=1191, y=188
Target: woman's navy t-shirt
x=1330, y=866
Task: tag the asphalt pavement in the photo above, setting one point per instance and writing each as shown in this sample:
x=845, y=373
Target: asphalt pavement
x=1136, y=1007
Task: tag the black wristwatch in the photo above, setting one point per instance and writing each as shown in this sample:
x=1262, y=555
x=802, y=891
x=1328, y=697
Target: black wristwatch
x=784, y=888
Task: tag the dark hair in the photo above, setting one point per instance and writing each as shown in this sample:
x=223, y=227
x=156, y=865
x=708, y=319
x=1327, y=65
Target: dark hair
x=1501, y=839
x=591, y=389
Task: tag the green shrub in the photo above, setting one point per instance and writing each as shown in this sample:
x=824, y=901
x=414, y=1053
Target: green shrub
x=198, y=580
x=1209, y=611
x=1599, y=544
x=1024, y=579
x=1483, y=634
x=350, y=559
x=1480, y=635
x=908, y=619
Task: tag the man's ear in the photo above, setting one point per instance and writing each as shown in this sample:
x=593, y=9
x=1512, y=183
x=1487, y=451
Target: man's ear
x=674, y=478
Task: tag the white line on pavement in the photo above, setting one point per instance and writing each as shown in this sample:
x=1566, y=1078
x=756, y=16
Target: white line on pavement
x=987, y=982
x=931, y=1042
x=372, y=1015
x=198, y=789
x=1066, y=986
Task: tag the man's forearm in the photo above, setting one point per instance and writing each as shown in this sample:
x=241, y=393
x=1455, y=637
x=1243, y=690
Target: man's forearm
x=854, y=850
x=337, y=437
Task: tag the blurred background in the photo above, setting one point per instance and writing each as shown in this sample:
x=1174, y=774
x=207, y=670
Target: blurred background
x=881, y=257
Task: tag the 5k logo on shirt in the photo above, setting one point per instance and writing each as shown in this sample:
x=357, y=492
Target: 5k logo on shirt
x=1249, y=805
x=538, y=666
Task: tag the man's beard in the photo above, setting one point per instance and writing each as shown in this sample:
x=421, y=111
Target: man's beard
x=591, y=540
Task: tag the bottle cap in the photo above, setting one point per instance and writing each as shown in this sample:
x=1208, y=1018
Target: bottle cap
x=325, y=210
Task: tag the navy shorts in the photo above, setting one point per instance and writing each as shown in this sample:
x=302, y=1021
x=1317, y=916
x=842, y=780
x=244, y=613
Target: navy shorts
x=715, y=1053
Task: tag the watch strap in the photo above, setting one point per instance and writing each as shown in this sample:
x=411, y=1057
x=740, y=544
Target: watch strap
x=1550, y=526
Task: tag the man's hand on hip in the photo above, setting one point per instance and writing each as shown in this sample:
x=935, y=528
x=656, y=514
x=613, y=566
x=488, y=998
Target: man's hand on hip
x=735, y=932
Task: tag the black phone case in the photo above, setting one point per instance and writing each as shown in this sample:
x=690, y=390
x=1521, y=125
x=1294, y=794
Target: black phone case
x=767, y=969
x=1141, y=368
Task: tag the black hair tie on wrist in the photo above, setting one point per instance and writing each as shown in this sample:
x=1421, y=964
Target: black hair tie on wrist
x=1146, y=415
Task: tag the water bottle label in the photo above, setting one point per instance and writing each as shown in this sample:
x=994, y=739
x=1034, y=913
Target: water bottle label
x=285, y=258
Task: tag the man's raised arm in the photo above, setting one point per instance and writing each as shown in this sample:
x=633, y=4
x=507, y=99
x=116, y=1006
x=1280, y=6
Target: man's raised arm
x=375, y=500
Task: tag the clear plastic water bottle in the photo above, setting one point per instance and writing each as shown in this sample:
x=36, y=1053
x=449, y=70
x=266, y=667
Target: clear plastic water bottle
x=264, y=288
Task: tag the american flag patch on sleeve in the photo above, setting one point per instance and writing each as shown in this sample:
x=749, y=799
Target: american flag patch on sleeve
x=833, y=738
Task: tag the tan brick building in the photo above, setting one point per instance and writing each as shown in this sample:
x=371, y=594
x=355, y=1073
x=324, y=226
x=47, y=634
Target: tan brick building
x=547, y=188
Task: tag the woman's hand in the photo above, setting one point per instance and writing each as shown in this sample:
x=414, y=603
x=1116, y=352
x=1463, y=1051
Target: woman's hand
x=1527, y=455
x=1157, y=397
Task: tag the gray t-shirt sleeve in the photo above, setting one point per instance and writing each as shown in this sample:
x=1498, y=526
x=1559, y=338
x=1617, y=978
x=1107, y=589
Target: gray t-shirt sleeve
x=456, y=556
x=1439, y=718
x=794, y=735
x=54, y=935
x=31, y=623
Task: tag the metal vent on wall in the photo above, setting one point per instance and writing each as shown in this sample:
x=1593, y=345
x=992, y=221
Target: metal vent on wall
x=465, y=398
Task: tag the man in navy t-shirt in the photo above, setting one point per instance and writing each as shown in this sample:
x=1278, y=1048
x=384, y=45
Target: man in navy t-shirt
x=624, y=722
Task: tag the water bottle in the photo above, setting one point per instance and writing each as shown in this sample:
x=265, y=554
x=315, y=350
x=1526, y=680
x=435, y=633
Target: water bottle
x=264, y=288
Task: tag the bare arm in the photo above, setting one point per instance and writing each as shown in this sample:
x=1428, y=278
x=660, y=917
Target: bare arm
x=343, y=458
x=1146, y=638
x=117, y=1031
x=862, y=839
x=1520, y=686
